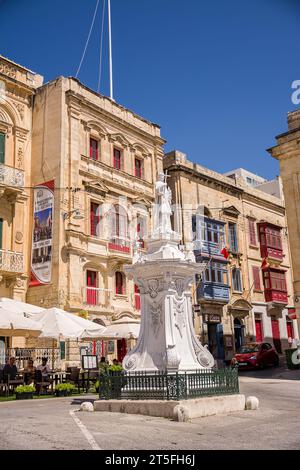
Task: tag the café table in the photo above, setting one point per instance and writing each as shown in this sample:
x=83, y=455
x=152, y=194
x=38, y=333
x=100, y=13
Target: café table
x=57, y=377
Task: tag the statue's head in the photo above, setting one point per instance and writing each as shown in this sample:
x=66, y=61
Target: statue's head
x=161, y=177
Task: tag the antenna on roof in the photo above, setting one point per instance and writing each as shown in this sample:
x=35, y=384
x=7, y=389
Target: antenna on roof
x=110, y=54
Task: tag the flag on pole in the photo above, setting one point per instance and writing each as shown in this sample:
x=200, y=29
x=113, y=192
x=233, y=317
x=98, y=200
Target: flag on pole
x=224, y=252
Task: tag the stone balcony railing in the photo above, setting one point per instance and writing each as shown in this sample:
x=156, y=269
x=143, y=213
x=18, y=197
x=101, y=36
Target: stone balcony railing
x=12, y=177
x=11, y=262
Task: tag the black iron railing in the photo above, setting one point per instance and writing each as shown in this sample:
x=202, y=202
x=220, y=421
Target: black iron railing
x=168, y=386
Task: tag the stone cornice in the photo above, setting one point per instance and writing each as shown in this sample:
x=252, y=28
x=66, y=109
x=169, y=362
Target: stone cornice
x=15, y=83
x=208, y=180
x=220, y=184
x=108, y=116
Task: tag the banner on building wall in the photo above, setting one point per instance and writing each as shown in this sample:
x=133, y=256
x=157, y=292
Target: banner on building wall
x=42, y=234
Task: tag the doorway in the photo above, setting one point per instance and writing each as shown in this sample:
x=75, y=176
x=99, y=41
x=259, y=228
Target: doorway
x=215, y=340
x=238, y=333
x=121, y=349
x=258, y=330
x=276, y=334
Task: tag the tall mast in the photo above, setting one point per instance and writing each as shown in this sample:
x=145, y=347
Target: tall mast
x=110, y=54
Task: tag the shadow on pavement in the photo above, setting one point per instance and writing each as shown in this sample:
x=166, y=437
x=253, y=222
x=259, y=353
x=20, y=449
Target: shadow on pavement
x=277, y=373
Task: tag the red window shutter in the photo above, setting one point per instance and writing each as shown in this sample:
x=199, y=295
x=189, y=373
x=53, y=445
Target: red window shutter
x=120, y=283
x=91, y=281
x=138, y=168
x=117, y=159
x=256, y=278
x=94, y=218
x=252, y=232
x=93, y=149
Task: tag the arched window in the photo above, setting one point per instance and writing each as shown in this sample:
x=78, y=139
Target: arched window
x=120, y=283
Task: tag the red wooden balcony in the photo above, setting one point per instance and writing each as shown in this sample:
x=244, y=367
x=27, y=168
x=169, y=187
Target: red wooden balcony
x=272, y=295
x=270, y=241
x=275, y=285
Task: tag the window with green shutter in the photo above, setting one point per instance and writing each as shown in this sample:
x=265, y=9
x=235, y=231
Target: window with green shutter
x=2, y=147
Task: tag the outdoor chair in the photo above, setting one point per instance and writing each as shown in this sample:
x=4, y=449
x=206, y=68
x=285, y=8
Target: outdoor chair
x=3, y=385
x=41, y=383
x=13, y=383
x=74, y=377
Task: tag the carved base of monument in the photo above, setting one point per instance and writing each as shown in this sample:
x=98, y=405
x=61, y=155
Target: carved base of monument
x=167, y=341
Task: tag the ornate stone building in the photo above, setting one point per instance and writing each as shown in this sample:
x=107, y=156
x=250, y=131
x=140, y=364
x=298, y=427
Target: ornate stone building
x=103, y=160
x=287, y=151
x=236, y=300
x=17, y=88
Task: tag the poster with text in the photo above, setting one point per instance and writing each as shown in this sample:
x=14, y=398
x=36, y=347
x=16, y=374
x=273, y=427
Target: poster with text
x=42, y=234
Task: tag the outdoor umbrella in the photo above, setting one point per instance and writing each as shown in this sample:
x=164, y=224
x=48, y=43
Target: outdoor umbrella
x=127, y=329
x=17, y=306
x=16, y=324
x=58, y=324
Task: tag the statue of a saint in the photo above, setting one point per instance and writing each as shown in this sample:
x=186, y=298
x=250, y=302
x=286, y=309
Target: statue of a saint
x=162, y=209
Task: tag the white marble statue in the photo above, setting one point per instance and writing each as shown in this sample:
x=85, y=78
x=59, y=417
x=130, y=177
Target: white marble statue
x=162, y=209
x=164, y=275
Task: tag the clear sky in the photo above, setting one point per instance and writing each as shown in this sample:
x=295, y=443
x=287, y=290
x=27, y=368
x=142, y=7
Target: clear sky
x=214, y=74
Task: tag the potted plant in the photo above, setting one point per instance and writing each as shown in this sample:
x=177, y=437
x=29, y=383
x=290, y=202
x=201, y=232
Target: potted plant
x=97, y=385
x=64, y=389
x=24, y=392
x=118, y=381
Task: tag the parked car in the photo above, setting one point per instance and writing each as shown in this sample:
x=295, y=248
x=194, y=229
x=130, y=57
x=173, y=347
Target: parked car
x=255, y=356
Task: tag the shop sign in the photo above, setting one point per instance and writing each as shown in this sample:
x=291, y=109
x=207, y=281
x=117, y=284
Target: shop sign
x=214, y=318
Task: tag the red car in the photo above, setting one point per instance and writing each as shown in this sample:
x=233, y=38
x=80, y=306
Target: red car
x=255, y=356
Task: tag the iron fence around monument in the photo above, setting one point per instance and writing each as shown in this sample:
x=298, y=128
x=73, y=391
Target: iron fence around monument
x=168, y=386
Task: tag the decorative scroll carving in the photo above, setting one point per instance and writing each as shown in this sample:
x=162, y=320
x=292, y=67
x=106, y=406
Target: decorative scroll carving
x=8, y=70
x=20, y=157
x=153, y=287
x=156, y=317
x=130, y=362
x=11, y=176
x=11, y=261
x=20, y=107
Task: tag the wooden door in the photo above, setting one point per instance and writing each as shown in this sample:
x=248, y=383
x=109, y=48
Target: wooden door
x=276, y=334
x=91, y=294
x=258, y=331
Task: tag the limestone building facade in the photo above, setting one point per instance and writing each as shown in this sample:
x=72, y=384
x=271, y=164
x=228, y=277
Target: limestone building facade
x=101, y=161
x=287, y=151
x=17, y=87
x=246, y=291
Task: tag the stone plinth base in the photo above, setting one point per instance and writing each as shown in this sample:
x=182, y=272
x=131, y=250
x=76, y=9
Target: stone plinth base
x=183, y=410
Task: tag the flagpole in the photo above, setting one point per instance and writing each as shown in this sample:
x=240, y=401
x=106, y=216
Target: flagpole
x=110, y=54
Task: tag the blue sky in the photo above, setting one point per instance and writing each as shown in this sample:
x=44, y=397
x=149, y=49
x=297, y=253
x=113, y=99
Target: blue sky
x=216, y=75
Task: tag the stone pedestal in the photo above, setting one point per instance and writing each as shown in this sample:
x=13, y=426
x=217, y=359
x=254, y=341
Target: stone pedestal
x=167, y=340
